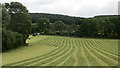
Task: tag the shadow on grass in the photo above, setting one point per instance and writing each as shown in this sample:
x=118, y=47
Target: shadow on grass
x=19, y=47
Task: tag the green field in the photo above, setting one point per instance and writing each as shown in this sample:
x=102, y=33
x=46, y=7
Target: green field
x=64, y=51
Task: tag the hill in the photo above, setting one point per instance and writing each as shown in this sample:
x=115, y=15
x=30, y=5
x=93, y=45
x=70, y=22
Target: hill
x=55, y=17
x=65, y=18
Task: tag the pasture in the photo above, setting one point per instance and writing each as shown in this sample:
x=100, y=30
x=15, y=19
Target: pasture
x=64, y=51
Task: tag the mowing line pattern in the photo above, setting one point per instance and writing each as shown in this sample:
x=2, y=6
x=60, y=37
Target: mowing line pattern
x=74, y=52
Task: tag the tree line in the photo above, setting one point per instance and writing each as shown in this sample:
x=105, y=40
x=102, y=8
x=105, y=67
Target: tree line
x=56, y=17
x=96, y=27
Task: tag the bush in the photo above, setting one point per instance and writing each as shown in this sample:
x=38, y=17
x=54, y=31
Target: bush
x=11, y=39
x=19, y=40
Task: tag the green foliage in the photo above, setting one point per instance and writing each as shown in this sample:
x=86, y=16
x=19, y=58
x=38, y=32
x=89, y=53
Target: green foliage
x=19, y=40
x=55, y=17
x=104, y=26
x=108, y=27
x=20, y=18
x=34, y=28
x=8, y=40
x=5, y=17
x=52, y=28
x=22, y=22
x=87, y=28
x=59, y=26
x=97, y=27
x=16, y=18
x=115, y=26
x=43, y=24
x=11, y=39
x=16, y=7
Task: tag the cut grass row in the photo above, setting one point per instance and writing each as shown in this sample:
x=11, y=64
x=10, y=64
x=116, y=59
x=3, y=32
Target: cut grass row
x=103, y=56
x=29, y=59
x=44, y=56
x=74, y=52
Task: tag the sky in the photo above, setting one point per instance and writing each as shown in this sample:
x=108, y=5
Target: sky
x=79, y=8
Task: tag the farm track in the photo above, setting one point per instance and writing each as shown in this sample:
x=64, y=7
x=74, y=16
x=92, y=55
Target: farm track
x=74, y=52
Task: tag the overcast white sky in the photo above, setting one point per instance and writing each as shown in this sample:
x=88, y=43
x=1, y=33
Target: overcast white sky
x=81, y=8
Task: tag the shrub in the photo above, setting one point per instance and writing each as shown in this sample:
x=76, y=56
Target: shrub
x=11, y=39
x=19, y=39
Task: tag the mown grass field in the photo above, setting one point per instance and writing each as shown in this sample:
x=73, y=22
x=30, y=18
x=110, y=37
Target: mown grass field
x=64, y=51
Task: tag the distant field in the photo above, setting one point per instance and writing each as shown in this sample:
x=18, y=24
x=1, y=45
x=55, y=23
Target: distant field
x=64, y=51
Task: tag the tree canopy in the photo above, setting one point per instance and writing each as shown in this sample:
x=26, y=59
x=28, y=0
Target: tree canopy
x=16, y=23
x=43, y=24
